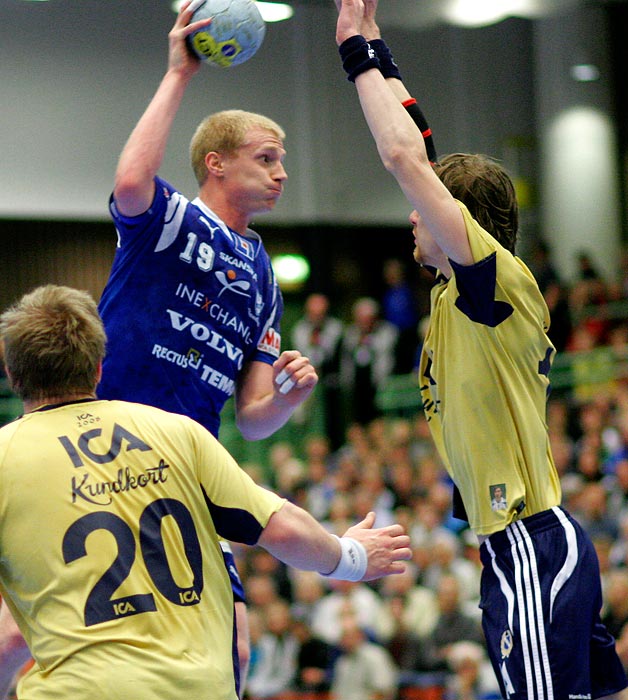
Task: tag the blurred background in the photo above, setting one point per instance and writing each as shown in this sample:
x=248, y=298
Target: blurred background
x=539, y=85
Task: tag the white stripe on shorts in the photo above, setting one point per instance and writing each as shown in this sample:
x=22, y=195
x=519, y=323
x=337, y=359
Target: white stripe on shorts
x=531, y=622
x=570, y=561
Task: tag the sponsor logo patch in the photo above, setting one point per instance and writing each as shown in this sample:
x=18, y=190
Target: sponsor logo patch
x=270, y=343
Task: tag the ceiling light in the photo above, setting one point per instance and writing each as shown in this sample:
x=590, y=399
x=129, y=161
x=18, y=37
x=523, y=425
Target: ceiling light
x=270, y=11
x=275, y=11
x=482, y=13
x=585, y=72
x=476, y=13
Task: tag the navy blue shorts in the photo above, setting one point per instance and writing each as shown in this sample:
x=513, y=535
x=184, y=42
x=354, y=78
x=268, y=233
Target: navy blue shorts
x=541, y=598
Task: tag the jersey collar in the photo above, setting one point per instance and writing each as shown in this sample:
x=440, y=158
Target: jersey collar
x=230, y=233
x=50, y=406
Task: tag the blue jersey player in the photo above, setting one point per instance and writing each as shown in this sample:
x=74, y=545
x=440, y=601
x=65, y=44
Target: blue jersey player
x=484, y=381
x=192, y=308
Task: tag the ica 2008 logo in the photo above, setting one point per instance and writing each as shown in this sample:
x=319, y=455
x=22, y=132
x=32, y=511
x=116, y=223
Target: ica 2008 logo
x=86, y=447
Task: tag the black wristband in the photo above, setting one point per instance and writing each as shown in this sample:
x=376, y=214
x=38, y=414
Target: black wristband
x=419, y=119
x=357, y=56
x=387, y=63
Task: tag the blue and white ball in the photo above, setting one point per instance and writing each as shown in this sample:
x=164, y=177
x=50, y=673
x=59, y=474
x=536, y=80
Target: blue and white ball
x=235, y=34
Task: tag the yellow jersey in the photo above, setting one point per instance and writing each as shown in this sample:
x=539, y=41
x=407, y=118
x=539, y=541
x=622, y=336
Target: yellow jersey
x=484, y=381
x=110, y=517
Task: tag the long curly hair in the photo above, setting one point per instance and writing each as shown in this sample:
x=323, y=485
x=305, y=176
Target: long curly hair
x=486, y=189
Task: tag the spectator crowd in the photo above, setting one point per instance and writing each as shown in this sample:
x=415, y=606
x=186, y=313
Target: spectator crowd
x=418, y=636
x=419, y=631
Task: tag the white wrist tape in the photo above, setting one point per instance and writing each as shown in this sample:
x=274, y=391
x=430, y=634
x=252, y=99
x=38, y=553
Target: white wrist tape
x=353, y=560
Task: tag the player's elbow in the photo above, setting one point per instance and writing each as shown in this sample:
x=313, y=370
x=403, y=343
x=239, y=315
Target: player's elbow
x=251, y=435
x=399, y=155
x=127, y=184
x=284, y=531
x=252, y=431
x=133, y=192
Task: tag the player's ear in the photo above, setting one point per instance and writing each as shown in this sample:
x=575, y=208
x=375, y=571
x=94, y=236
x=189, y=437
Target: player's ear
x=214, y=163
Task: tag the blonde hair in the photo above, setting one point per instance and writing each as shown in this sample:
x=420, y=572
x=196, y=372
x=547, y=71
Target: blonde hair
x=224, y=132
x=53, y=341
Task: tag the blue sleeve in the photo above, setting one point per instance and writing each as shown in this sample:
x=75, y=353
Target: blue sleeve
x=133, y=225
x=269, y=344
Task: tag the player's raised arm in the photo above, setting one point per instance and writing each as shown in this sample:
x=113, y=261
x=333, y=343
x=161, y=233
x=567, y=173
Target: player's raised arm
x=390, y=70
x=398, y=139
x=143, y=153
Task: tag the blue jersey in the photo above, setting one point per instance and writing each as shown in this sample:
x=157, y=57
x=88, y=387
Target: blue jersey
x=188, y=303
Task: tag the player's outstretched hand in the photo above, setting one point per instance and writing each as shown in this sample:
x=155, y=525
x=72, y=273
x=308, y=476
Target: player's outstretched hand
x=350, y=18
x=370, y=29
x=387, y=547
x=294, y=376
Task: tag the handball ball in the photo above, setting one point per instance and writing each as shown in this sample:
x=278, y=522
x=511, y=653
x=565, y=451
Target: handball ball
x=235, y=34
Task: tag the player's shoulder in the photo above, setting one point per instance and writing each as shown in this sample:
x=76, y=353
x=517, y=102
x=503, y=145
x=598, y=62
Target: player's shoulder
x=147, y=410
x=167, y=190
x=147, y=415
x=8, y=432
x=163, y=429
